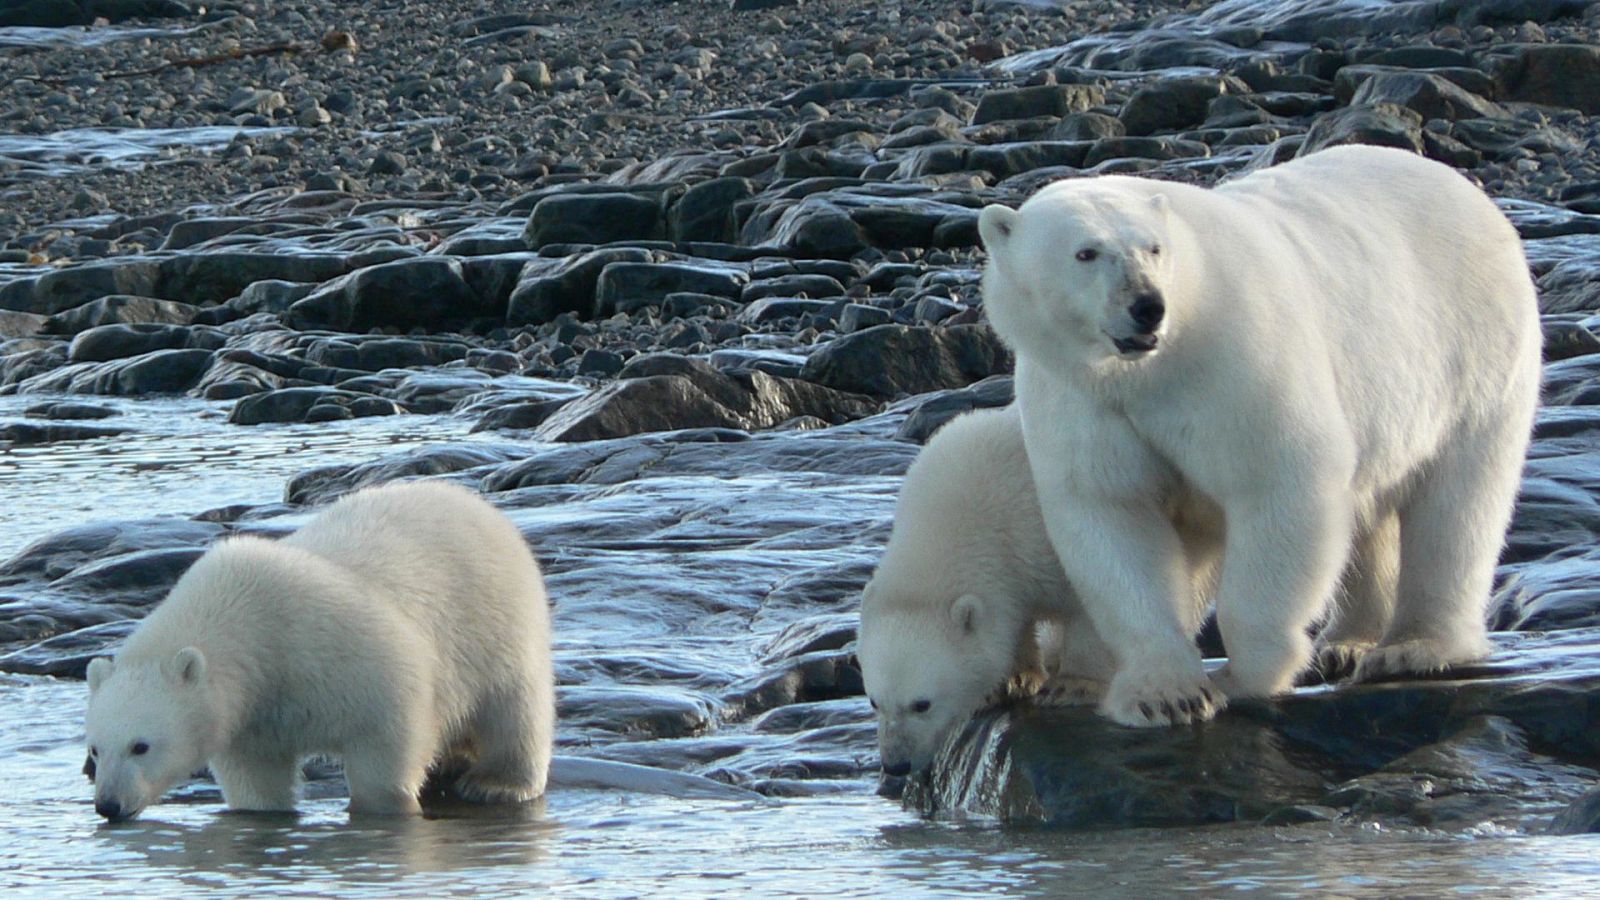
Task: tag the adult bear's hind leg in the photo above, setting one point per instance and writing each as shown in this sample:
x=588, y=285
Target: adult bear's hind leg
x=1451, y=532
x=1365, y=605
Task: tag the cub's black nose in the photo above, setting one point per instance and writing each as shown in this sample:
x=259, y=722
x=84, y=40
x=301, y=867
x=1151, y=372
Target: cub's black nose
x=899, y=769
x=1147, y=310
x=109, y=808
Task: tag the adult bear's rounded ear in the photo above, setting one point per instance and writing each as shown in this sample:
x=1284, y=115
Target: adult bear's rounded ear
x=1161, y=204
x=967, y=612
x=100, y=669
x=996, y=225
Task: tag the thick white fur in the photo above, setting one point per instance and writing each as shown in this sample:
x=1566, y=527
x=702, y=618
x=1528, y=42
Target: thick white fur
x=403, y=623
x=949, y=617
x=1347, y=371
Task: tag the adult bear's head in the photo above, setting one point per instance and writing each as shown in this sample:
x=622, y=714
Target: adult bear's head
x=1082, y=272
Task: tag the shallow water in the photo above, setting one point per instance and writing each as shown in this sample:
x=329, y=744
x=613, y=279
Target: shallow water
x=845, y=841
x=38, y=38
x=79, y=150
x=601, y=843
x=181, y=458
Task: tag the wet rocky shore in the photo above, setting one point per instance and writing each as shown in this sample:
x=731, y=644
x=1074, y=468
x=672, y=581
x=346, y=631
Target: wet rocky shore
x=701, y=280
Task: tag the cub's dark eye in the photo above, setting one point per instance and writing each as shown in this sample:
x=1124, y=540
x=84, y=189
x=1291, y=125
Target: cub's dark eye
x=1155, y=249
x=1088, y=254
x=139, y=748
x=873, y=702
x=921, y=706
x=93, y=752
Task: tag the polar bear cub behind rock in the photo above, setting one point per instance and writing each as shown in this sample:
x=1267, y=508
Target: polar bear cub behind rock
x=403, y=624
x=948, y=620
x=1337, y=360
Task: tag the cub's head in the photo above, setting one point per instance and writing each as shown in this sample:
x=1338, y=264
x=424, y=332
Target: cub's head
x=927, y=667
x=1082, y=269
x=149, y=727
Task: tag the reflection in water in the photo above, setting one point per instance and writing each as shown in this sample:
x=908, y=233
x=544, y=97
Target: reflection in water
x=321, y=846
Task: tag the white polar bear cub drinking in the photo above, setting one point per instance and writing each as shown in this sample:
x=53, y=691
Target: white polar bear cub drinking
x=1337, y=358
x=403, y=624
x=949, y=617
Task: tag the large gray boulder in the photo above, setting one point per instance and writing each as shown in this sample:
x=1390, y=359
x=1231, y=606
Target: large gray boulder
x=669, y=393
x=890, y=360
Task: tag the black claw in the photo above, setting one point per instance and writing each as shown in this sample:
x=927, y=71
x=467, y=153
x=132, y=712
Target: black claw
x=1186, y=705
x=1148, y=712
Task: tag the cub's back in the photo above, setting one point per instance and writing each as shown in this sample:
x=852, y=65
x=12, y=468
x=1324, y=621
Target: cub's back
x=434, y=547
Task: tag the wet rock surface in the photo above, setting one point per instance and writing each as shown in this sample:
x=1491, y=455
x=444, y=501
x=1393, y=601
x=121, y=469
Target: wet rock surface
x=1508, y=743
x=701, y=282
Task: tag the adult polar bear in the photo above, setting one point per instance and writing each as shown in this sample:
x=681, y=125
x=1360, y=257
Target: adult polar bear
x=1334, y=359
x=403, y=624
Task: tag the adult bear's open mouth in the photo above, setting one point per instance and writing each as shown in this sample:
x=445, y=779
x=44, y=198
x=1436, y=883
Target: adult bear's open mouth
x=1136, y=343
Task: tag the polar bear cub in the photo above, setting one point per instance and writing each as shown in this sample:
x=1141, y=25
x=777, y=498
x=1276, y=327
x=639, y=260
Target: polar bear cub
x=948, y=620
x=402, y=624
x=1337, y=360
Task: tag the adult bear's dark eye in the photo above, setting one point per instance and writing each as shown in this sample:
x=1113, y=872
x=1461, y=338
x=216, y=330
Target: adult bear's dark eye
x=873, y=702
x=921, y=706
x=93, y=751
x=1088, y=254
x=1155, y=249
x=140, y=748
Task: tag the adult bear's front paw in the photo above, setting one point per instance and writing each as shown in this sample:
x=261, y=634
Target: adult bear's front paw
x=1144, y=699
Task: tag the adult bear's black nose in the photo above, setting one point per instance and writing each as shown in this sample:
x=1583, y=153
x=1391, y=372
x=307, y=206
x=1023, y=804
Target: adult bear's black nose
x=899, y=769
x=111, y=809
x=1147, y=310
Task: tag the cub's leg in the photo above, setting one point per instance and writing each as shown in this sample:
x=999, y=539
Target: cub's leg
x=261, y=783
x=385, y=771
x=1078, y=664
x=514, y=730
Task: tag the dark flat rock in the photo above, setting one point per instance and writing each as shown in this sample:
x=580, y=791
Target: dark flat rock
x=1451, y=751
x=17, y=433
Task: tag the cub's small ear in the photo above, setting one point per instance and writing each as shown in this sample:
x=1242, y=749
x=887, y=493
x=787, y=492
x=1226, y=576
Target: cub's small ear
x=1161, y=204
x=967, y=612
x=187, y=666
x=100, y=669
x=996, y=224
